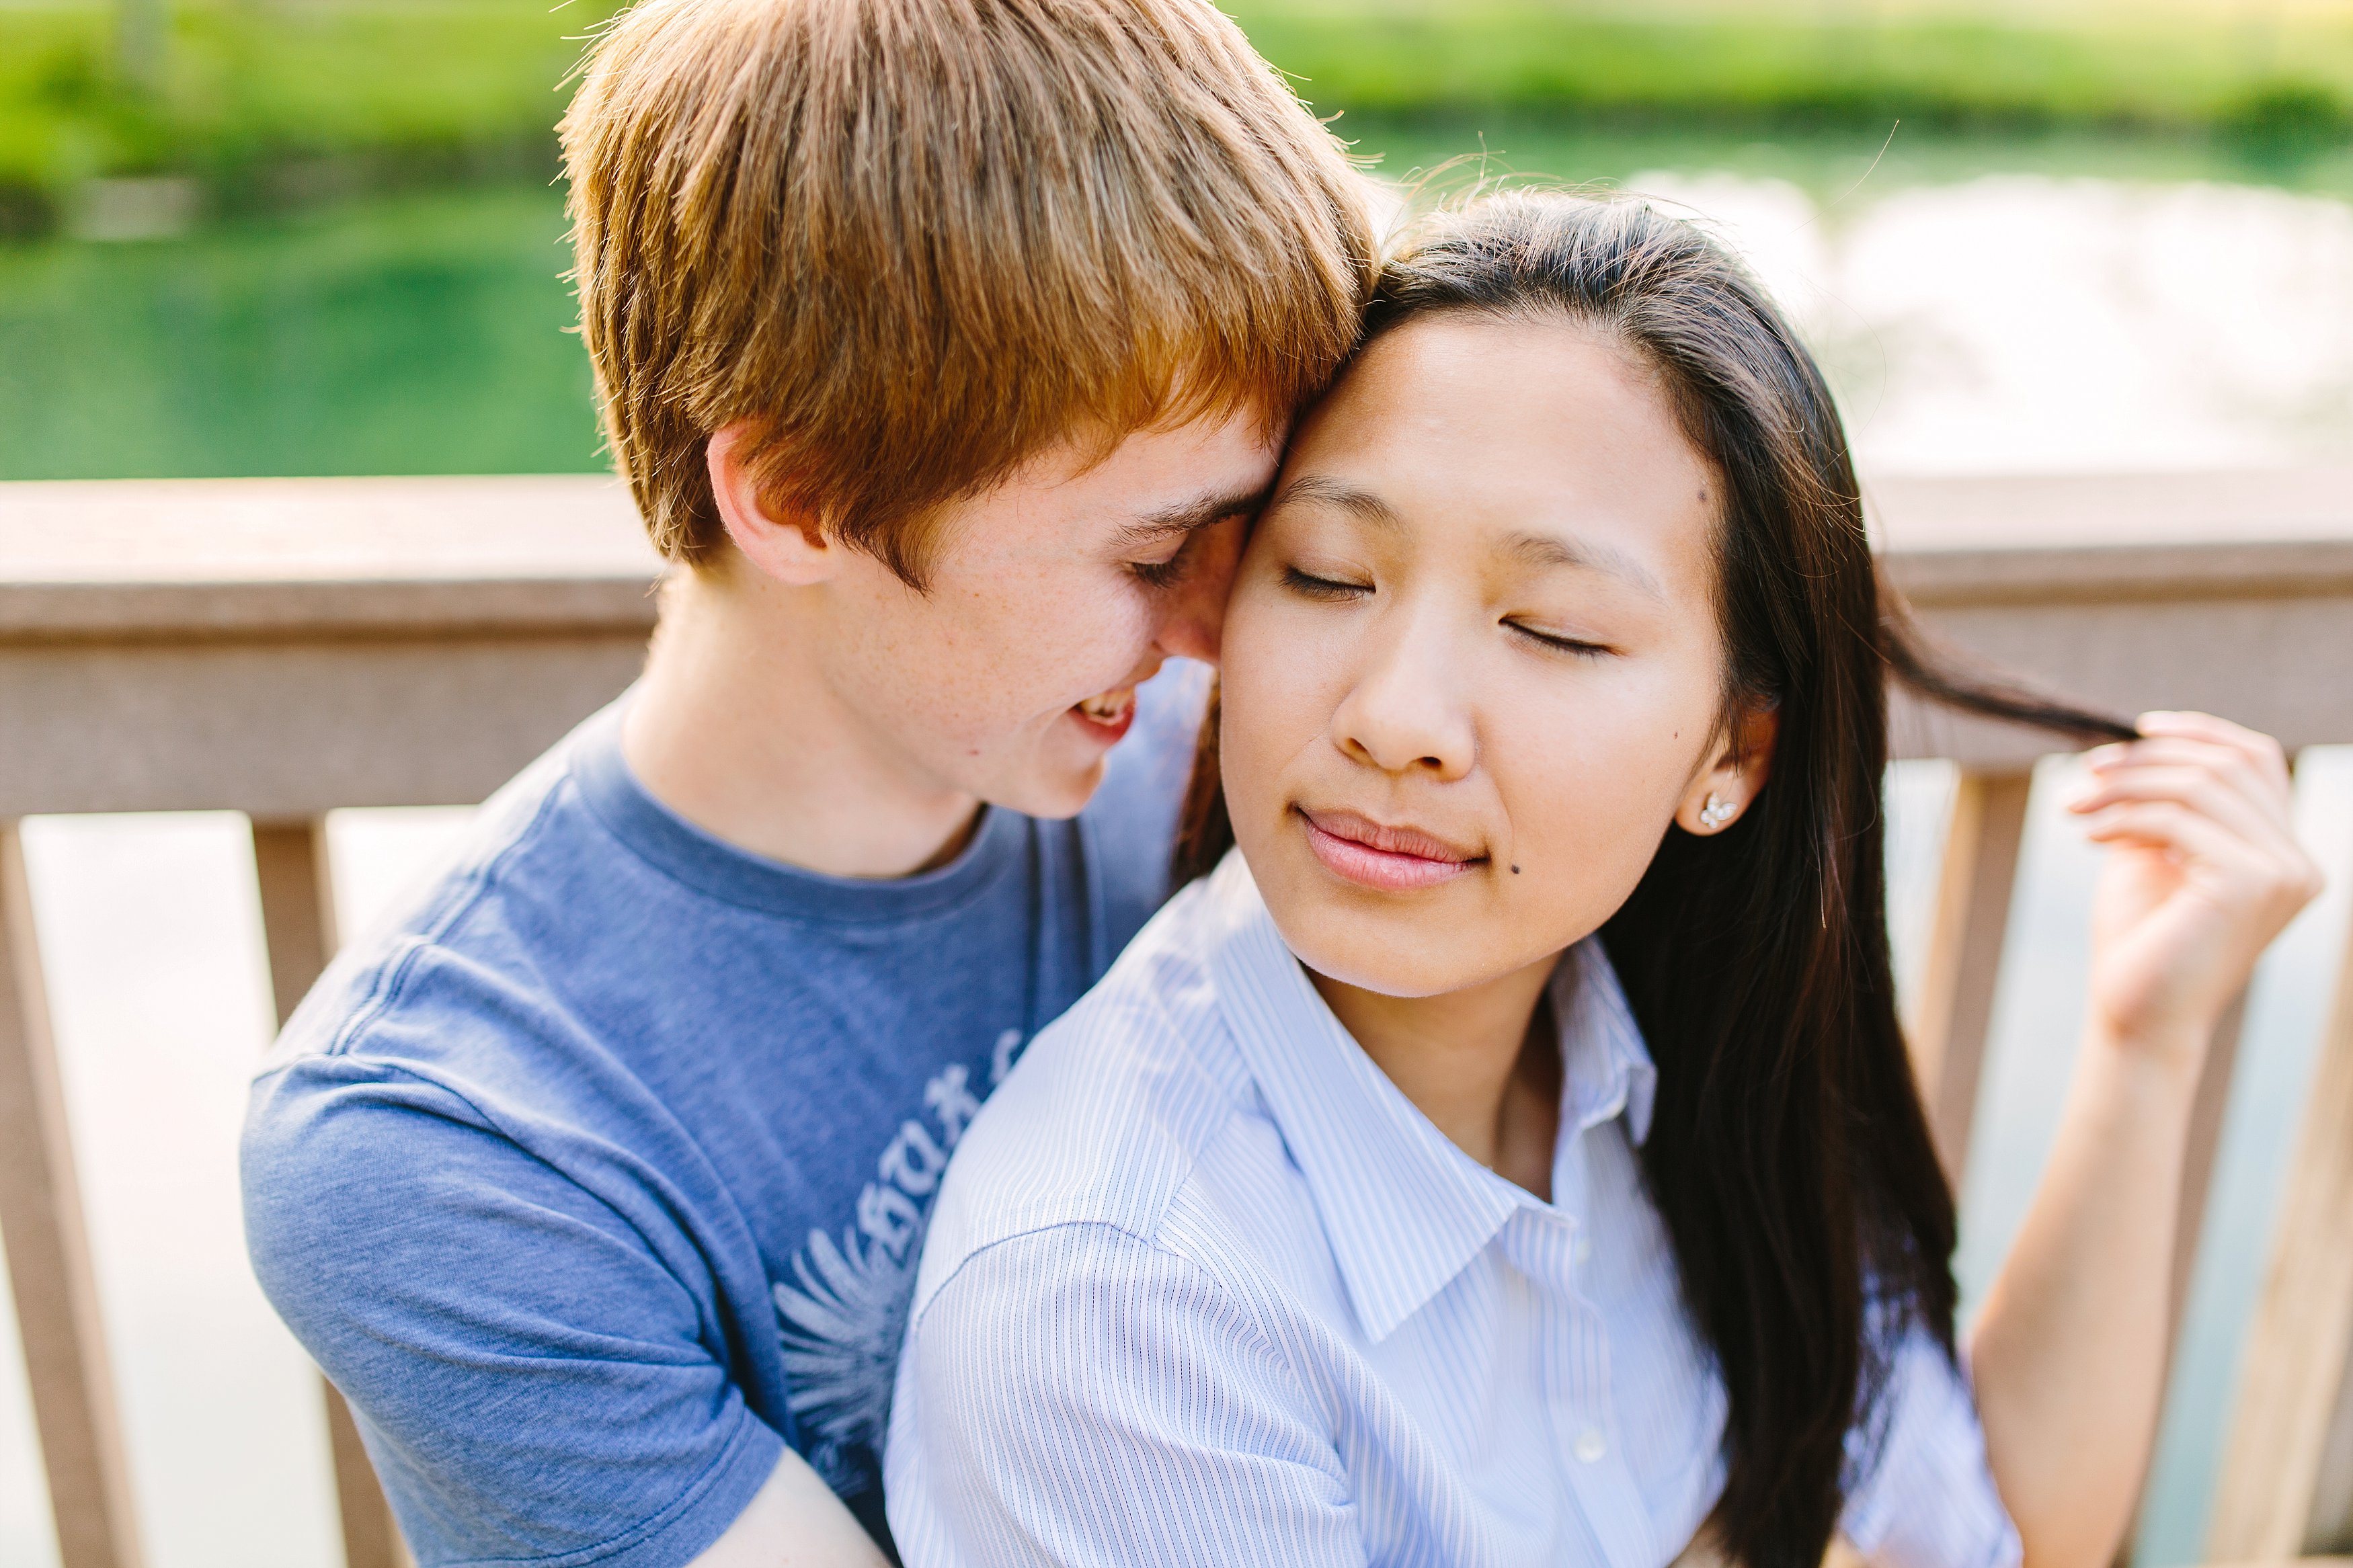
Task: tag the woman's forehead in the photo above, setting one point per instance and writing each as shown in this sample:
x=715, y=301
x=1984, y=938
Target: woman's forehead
x=1545, y=437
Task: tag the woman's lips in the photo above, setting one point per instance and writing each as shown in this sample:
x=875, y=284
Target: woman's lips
x=1394, y=860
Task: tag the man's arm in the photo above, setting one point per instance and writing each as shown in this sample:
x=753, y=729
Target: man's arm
x=794, y=1521
x=531, y=1360
x=2070, y=1349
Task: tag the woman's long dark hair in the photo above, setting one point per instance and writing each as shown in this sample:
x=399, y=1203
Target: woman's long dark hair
x=1788, y=1152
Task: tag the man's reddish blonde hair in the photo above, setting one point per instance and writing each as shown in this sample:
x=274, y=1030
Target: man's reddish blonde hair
x=918, y=243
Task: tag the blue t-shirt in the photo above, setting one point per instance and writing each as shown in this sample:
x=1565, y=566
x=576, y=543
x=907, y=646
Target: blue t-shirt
x=603, y=1172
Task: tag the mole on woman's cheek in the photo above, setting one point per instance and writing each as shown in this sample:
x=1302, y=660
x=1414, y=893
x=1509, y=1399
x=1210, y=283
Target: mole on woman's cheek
x=1515, y=870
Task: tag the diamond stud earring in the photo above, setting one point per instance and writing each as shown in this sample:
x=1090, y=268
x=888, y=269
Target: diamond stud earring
x=1716, y=813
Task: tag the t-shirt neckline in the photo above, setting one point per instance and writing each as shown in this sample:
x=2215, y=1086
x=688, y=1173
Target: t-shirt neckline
x=711, y=866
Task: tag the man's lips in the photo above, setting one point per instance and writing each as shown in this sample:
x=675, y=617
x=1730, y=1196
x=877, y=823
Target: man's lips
x=1108, y=714
x=1373, y=855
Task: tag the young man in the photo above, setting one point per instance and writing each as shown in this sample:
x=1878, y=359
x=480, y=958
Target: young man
x=946, y=343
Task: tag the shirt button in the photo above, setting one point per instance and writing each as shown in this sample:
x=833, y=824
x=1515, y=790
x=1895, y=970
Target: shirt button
x=1581, y=1248
x=1590, y=1446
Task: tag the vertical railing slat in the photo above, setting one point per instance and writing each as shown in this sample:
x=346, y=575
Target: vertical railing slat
x=66, y=1360
x=1953, y=1011
x=2296, y=1356
x=298, y=922
x=298, y=907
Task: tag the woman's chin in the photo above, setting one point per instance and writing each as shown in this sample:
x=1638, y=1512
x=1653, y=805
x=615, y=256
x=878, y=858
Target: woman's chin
x=1391, y=952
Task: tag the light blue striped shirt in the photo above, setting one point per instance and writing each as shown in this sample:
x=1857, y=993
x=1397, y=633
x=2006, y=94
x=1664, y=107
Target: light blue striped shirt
x=1203, y=1286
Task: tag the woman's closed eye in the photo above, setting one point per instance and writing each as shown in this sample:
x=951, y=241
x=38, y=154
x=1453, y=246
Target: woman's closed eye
x=1561, y=642
x=1309, y=585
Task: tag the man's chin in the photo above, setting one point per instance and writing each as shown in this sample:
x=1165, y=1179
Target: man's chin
x=1052, y=789
x=1063, y=795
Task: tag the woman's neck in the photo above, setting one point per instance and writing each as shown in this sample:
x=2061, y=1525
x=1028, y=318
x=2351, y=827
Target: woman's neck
x=1482, y=1064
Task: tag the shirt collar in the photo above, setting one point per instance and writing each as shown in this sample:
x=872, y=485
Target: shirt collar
x=1606, y=1069
x=1406, y=1211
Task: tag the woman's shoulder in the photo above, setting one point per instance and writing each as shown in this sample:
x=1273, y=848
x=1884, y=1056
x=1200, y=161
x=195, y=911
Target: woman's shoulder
x=1107, y=1113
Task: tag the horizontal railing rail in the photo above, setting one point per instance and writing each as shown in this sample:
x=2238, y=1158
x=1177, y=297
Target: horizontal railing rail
x=288, y=648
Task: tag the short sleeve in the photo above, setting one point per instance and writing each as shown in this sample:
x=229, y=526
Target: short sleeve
x=1921, y=1495
x=1076, y=1396
x=535, y=1381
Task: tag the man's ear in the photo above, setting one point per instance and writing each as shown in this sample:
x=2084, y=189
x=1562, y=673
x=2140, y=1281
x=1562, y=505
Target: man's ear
x=1729, y=784
x=789, y=546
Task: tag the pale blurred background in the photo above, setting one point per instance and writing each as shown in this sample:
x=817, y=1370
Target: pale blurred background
x=324, y=237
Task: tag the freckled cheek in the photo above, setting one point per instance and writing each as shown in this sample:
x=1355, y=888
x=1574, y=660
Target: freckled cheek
x=1043, y=651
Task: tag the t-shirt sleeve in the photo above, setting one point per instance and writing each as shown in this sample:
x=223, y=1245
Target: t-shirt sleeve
x=533, y=1378
x=1076, y=1396
x=1923, y=1496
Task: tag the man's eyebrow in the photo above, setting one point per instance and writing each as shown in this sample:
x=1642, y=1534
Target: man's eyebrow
x=1339, y=493
x=1187, y=517
x=1547, y=550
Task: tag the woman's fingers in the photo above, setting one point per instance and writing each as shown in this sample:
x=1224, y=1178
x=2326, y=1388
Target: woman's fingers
x=2181, y=830
x=2243, y=761
x=2262, y=824
x=2208, y=805
x=2232, y=780
x=2255, y=842
x=2210, y=793
x=2261, y=751
x=2265, y=783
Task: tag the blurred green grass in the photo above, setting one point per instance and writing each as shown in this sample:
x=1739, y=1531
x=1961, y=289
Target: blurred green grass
x=1815, y=64
x=269, y=101
x=266, y=104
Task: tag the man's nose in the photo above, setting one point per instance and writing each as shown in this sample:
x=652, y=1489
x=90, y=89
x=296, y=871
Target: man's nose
x=1195, y=618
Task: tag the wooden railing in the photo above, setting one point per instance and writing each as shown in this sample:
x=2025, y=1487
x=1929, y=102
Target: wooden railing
x=288, y=648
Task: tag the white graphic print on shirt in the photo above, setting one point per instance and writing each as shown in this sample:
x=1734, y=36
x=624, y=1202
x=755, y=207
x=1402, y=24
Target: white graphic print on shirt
x=843, y=1317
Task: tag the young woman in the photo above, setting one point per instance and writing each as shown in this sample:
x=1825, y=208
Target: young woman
x=1511, y=1156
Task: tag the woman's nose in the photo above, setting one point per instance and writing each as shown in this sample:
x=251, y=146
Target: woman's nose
x=1407, y=712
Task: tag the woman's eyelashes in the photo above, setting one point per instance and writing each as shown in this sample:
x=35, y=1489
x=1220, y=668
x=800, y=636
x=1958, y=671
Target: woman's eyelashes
x=1309, y=585
x=1560, y=643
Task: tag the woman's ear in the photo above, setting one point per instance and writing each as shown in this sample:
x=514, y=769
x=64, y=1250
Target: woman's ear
x=789, y=546
x=1730, y=783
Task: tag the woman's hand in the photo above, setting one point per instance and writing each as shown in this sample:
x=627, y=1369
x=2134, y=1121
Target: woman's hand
x=2071, y=1345
x=2206, y=871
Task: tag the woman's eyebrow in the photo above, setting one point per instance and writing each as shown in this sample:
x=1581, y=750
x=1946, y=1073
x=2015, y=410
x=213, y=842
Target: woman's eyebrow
x=1537, y=550
x=1550, y=550
x=1339, y=493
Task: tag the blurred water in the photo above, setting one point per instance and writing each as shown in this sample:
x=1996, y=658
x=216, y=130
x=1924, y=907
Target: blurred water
x=1978, y=304
x=423, y=333
x=2033, y=323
